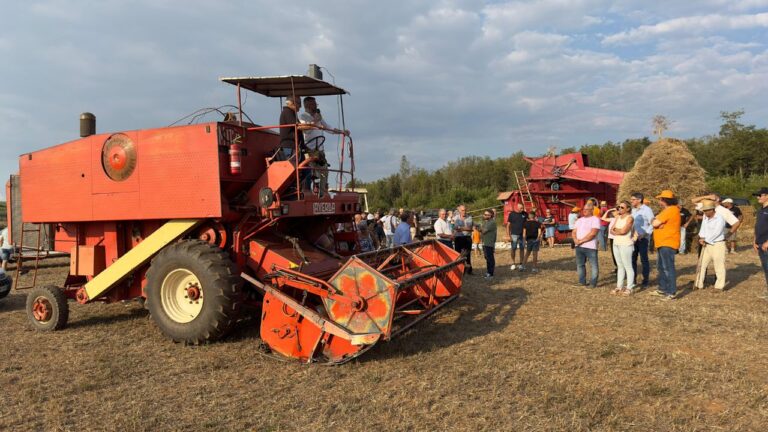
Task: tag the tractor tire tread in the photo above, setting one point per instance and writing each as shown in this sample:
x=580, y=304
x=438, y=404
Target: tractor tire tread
x=225, y=291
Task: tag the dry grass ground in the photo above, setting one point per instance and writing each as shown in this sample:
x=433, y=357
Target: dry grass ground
x=525, y=352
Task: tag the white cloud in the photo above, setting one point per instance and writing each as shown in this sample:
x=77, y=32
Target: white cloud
x=689, y=25
x=57, y=9
x=503, y=20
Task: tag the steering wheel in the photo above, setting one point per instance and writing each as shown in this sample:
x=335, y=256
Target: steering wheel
x=318, y=141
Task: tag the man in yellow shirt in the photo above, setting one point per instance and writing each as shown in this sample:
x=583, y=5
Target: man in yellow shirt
x=666, y=237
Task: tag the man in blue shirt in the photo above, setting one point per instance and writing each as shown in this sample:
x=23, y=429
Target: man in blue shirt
x=403, y=231
x=643, y=216
x=761, y=234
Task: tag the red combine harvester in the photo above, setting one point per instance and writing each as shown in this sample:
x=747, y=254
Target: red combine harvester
x=560, y=183
x=202, y=224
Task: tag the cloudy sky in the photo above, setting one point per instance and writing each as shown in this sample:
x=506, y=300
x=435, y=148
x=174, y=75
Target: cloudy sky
x=432, y=80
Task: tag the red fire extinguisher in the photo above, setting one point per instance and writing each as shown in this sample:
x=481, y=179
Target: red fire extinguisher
x=235, y=165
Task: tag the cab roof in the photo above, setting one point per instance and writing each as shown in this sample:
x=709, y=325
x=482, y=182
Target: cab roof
x=282, y=86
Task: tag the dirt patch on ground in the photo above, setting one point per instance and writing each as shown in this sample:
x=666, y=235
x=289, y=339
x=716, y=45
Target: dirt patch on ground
x=523, y=352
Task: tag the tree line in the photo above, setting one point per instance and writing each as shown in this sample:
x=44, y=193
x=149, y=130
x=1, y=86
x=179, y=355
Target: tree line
x=736, y=162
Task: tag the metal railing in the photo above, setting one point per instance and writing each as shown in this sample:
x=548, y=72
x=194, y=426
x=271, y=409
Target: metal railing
x=297, y=152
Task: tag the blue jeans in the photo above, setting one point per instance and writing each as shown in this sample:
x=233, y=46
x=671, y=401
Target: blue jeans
x=641, y=249
x=490, y=259
x=665, y=263
x=601, y=238
x=764, y=262
x=517, y=241
x=582, y=255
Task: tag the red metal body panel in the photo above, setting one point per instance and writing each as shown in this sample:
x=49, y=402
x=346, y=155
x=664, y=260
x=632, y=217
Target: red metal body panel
x=179, y=174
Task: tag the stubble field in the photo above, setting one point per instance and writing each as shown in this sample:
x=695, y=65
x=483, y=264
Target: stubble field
x=523, y=352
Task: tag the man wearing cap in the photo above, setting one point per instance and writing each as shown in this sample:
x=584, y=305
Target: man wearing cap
x=730, y=237
x=761, y=235
x=642, y=215
x=712, y=241
x=666, y=237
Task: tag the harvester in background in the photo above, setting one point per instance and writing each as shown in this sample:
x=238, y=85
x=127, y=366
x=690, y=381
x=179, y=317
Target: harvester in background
x=560, y=183
x=203, y=224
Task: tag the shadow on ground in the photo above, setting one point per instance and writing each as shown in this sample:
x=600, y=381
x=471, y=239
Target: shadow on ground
x=14, y=302
x=481, y=310
x=110, y=318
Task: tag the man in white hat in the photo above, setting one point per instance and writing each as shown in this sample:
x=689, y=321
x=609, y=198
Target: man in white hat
x=712, y=241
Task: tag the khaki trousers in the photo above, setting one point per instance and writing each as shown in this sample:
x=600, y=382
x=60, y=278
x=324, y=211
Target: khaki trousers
x=716, y=254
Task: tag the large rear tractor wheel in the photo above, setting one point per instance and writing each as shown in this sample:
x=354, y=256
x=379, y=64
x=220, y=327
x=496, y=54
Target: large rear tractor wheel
x=47, y=308
x=193, y=292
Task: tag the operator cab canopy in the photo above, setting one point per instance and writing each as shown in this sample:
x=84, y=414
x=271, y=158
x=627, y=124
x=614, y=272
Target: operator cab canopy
x=282, y=86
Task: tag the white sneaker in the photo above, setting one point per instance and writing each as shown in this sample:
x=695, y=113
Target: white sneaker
x=512, y=267
x=521, y=268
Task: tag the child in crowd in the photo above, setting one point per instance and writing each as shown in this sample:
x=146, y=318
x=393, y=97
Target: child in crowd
x=478, y=248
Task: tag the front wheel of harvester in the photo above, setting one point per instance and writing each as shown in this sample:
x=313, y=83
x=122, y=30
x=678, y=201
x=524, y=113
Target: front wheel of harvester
x=47, y=308
x=193, y=292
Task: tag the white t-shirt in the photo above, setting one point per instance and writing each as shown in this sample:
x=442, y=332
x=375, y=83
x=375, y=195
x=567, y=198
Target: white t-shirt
x=311, y=134
x=386, y=221
x=442, y=227
x=727, y=215
x=6, y=244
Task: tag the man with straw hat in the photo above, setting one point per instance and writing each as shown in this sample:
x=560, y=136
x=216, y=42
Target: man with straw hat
x=712, y=241
x=666, y=237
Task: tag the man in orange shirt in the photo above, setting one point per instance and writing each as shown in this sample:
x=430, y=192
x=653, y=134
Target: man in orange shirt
x=666, y=237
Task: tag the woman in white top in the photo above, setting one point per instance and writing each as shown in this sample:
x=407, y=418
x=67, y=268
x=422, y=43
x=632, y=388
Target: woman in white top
x=620, y=229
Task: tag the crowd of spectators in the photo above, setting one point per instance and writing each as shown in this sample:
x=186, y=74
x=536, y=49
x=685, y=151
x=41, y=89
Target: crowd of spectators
x=628, y=230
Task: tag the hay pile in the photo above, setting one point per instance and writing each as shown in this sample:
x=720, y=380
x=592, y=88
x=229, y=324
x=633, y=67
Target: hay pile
x=748, y=223
x=665, y=164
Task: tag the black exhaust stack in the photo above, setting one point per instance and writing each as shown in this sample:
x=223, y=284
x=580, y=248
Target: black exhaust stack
x=87, y=124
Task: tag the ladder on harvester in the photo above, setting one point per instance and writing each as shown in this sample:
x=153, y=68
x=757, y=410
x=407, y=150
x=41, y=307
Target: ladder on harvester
x=37, y=228
x=525, y=193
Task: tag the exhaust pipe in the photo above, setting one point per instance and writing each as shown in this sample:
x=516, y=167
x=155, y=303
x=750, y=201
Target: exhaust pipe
x=87, y=124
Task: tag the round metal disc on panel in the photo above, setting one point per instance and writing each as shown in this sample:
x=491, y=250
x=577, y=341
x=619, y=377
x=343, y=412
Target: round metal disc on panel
x=118, y=157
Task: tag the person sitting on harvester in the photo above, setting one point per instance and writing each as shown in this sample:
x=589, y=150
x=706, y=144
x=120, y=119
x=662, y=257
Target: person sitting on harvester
x=314, y=138
x=289, y=137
